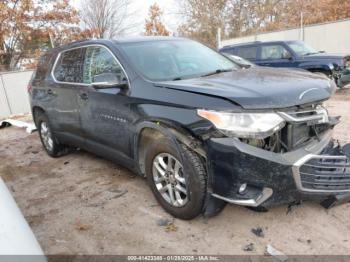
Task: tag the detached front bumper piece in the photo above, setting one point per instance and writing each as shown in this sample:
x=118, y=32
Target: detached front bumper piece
x=343, y=78
x=319, y=171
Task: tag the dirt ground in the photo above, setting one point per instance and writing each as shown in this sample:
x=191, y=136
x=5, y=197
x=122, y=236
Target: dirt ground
x=82, y=204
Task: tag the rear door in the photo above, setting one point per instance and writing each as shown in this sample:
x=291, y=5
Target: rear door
x=67, y=75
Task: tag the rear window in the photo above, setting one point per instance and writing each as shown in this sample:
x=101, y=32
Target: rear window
x=69, y=66
x=248, y=52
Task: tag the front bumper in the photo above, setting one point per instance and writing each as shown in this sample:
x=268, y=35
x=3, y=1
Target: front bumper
x=318, y=171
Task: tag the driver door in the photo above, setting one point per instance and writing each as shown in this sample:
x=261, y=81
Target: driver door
x=105, y=112
x=275, y=55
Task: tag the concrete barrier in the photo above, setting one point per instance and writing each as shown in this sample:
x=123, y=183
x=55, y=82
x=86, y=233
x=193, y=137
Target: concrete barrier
x=13, y=93
x=333, y=37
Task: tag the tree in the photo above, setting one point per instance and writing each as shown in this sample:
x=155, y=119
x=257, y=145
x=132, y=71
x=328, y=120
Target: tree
x=26, y=27
x=203, y=18
x=154, y=25
x=245, y=17
x=107, y=18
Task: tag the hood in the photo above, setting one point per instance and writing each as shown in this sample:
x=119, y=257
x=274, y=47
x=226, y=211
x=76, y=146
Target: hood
x=260, y=87
x=328, y=56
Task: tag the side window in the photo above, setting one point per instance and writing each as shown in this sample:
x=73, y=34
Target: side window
x=274, y=52
x=69, y=67
x=247, y=52
x=101, y=66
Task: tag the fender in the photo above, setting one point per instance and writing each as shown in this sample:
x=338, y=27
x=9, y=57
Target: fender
x=169, y=131
x=329, y=67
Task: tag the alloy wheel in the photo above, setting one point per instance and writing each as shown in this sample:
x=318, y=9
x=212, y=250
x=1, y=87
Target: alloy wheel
x=46, y=136
x=169, y=179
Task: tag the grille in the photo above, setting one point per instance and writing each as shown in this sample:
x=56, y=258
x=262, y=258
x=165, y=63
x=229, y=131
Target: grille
x=325, y=173
x=315, y=115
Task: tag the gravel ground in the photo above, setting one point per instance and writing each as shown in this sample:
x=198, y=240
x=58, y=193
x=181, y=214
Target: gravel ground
x=82, y=204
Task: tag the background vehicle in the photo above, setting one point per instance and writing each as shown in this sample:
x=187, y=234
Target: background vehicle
x=200, y=128
x=294, y=54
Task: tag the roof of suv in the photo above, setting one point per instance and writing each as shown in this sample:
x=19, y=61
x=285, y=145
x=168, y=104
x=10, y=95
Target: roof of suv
x=257, y=43
x=118, y=41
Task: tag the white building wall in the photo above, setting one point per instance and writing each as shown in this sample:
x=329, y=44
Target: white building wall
x=330, y=37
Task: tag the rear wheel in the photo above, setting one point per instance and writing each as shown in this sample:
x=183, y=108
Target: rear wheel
x=177, y=179
x=51, y=144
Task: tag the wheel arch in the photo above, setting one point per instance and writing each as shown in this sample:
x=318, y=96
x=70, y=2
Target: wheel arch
x=35, y=111
x=148, y=131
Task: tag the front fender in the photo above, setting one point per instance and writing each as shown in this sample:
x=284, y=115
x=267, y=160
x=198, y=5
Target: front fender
x=312, y=66
x=172, y=132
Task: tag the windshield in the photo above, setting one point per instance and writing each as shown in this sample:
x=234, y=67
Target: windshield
x=175, y=60
x=301, y=49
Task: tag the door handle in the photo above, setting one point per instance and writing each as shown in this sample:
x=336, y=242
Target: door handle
x=84, y=96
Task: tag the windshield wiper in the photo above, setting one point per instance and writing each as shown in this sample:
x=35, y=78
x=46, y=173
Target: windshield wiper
x=311, y=53
x=217, y=71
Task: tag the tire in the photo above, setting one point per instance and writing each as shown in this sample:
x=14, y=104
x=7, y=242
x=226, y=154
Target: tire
x=187, y=179
x=50, y=143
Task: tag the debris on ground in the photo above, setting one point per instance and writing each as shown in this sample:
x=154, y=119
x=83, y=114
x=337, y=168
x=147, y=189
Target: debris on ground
x=66, y=163
x=81, y=227
x=162, y=222
x=258, y=232
x=292, y=206
x=171, y=228
x=30, y=127
x=276, y=253
x=249, y=247
x=118, y=192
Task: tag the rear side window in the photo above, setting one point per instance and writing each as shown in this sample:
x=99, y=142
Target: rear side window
x=101, y=66
x=43, y=64
x=248, y=52
x=69, y=66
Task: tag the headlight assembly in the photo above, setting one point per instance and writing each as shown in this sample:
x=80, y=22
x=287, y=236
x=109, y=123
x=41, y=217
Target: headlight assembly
x=244, y=125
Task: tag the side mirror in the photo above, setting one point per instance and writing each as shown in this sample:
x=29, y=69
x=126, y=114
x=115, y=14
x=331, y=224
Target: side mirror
x=113, y=84
x=109, y=80
x=288, y=56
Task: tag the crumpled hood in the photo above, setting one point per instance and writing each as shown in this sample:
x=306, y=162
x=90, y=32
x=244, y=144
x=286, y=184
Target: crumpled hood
x=260, y=87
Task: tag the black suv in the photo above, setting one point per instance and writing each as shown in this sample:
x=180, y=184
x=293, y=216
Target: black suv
x=200, y=128
x=295, y=54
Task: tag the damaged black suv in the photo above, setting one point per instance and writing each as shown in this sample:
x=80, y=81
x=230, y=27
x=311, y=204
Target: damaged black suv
x=202, y=130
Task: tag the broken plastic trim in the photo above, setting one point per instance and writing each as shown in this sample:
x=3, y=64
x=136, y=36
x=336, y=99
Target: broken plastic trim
x=263, y=196
x=30, y=127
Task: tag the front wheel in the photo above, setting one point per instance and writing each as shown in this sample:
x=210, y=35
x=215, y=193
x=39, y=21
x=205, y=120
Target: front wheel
x=176, y=177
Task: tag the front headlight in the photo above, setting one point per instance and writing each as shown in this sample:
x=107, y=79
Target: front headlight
x=244, y=125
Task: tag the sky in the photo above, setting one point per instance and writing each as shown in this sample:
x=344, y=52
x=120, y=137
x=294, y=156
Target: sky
x=170, y=13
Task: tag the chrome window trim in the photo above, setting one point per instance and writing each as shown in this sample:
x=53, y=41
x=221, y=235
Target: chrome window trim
x=297, y=176
x=84, y=46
